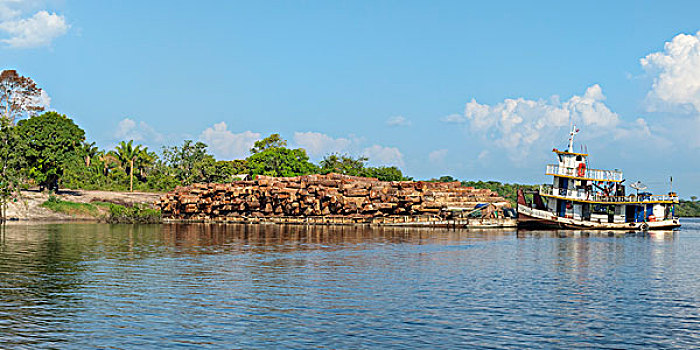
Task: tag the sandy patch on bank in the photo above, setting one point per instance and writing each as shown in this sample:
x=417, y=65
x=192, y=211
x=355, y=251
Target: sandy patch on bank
x=28, y=206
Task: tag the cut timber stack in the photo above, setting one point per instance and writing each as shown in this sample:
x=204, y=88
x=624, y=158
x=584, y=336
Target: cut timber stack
x=331, y=198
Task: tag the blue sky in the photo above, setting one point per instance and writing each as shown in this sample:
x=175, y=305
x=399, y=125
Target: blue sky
x=478, y=90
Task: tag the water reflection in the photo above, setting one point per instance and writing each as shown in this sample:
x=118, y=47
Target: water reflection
x=271, y=286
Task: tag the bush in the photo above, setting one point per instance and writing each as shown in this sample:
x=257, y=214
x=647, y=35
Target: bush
x=688, y=208
x=138, y=214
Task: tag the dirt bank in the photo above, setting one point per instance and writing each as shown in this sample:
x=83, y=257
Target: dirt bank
x=28, y=206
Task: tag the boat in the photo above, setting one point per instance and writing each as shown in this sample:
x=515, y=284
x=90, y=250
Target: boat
x=584, y=198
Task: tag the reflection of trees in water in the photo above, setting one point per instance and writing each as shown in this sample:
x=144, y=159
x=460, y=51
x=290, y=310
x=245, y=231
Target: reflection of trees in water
x=40, y=272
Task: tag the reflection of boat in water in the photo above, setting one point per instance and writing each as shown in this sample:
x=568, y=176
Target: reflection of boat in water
x=584, y=198
x=656, y=235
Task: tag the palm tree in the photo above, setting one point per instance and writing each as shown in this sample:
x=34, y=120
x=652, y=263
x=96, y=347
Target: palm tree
x=109, y=160
x=144, y=160
x=127, y=153
x=90, y=152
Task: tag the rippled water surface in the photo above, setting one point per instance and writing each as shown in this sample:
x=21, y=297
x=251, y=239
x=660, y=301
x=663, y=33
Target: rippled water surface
x=213, y=286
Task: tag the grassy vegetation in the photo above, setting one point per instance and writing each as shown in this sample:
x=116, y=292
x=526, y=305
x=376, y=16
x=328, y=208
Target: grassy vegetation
x=110, y=212
x=72, y=208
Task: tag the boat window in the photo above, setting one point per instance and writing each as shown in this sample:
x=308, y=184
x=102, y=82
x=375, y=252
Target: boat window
x=579, y=158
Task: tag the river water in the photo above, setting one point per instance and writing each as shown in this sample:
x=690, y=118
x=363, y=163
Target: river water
x=264, y=286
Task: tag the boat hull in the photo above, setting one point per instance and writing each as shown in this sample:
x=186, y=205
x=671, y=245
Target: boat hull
x=541, y=219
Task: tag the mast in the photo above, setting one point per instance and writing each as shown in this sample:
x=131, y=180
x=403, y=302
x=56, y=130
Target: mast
x=573, y=132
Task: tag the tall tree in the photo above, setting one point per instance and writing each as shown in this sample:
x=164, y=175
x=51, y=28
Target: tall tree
x=144, y=161
x=127, y=154
x=109, y=161
x=10, y=165
x=272, y=141
x=272, y=157
x=51, y=140
x=281, y=161
x=190, y=162
x=19, y=96
x=90, y=151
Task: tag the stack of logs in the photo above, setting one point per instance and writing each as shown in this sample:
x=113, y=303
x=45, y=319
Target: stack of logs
x=332, y=195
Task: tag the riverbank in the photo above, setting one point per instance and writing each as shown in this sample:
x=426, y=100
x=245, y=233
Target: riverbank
x=30, y=205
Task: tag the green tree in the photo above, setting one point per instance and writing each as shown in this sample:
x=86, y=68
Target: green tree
x=505, y=190
x=347, y=165
x=445, y=178
x=272, y=141
x=281, y=162
x=384, y=173
x=10, y=165
x=144, y=162
x=343, y=164
x=272, y=157
x=127, y=154
x=189, y=163
x=90, y=151
x=688, y=208
x=50, y=141
x=109, y=161
x=224, y=170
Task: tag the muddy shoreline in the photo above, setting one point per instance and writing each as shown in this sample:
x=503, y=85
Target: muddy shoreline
x=27, y=207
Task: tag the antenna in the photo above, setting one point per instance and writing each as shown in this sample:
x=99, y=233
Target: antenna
x=573, y=132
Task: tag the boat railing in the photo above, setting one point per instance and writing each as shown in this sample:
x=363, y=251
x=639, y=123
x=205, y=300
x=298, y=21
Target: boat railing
x=584, y=195
x=594, y=174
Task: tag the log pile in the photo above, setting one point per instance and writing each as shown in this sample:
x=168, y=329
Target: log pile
x=331, y=195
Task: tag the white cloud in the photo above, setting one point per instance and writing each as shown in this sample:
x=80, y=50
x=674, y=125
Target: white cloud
x=454, y=118
x=129, y=129
x=381, y=155
x=44, y=100
x=437, y=156
x=398, y=121
x=518, y=124
x=637, y=129
x=591, y=110
x=226, y=144
x=676, y=72
x=38, y=30
x=675, y=91
x=318, y=144
x=9, y=9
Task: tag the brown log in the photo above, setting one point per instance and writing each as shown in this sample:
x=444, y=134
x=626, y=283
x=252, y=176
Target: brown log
x=356, y=192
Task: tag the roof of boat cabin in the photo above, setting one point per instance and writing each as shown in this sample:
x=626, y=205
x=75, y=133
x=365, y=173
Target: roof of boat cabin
x=571, y=153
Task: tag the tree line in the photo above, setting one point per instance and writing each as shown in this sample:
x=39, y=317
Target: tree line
x=49, y=151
